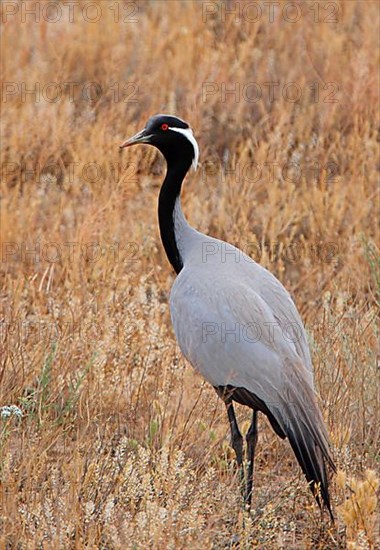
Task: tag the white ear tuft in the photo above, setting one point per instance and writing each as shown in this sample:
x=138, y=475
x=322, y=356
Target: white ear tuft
x=188, y=133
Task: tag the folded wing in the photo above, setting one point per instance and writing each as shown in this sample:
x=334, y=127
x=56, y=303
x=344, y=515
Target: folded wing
x=230, y=334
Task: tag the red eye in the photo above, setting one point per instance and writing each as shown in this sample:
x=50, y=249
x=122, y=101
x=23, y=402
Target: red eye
x=164, y=126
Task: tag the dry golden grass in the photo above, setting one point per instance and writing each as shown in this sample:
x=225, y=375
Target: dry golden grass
x=121, y=444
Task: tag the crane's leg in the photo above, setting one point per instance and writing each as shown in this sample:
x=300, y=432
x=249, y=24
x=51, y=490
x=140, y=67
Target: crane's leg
x=236, y=441
x=251, y=439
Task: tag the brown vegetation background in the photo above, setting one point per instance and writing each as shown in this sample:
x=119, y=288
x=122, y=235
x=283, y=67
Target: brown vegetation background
x=121, y=444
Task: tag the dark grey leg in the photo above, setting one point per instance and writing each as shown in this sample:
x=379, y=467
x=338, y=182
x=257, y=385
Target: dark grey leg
x=251, y=439
x=236, y=441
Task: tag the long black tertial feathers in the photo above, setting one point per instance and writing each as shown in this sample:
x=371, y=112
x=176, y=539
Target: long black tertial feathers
x=310, y=455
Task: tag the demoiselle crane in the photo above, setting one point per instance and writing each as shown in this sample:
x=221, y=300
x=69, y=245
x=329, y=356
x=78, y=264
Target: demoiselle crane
x=236, y=324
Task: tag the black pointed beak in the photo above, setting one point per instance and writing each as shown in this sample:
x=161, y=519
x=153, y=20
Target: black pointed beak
x=140, y=137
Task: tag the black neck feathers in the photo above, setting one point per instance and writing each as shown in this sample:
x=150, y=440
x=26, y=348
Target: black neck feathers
x=179, y=159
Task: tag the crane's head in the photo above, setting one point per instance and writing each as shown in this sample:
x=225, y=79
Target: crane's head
x=171, y=135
